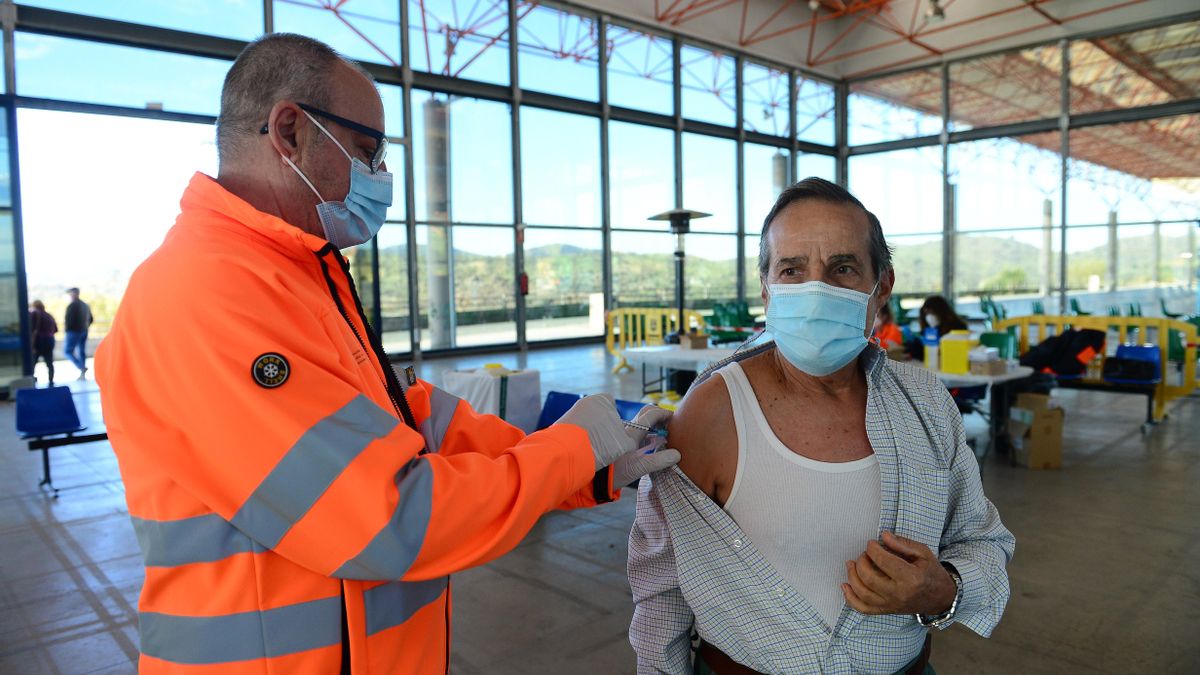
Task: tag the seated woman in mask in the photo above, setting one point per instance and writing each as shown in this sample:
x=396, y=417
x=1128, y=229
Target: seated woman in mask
x=827, y=512
x=936, y=312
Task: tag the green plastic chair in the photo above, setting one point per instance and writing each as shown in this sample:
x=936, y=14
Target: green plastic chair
x=1135, y=309
x=1077, y=310
x=1162, y=302
x=1038, y=308
x=1005, y=343
x=1114, y=310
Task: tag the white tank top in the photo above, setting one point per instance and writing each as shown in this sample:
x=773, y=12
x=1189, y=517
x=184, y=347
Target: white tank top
x=806, y=517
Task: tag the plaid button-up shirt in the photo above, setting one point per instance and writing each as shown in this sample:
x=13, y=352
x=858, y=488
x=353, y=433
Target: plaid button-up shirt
x=692, y=567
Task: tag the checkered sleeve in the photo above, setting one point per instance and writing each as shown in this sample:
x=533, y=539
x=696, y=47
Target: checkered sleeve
x=662, y=621
x=974, y=540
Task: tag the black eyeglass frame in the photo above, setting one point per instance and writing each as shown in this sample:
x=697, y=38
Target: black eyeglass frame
x=380, y=138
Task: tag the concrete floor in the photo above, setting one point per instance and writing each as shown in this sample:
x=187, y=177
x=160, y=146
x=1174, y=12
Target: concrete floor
x=1104, y=579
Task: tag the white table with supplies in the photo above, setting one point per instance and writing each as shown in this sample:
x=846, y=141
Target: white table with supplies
x=512, y=395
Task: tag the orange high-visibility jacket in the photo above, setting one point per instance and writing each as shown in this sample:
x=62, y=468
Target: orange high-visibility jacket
x=285, y=487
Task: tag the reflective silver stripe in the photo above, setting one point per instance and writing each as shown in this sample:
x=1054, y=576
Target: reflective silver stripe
x=394, y=603
x=242, y=636
x=309, y=467
x=394, y=548
x=200, y=539
x=442, y=405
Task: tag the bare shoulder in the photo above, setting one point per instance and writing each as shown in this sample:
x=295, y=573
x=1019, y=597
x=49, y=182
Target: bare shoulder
x=703, y=432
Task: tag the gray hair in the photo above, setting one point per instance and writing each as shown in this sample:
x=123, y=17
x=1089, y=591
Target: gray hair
x=273, y=68
x=823, y=190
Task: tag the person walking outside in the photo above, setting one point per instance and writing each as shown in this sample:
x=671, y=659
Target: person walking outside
x=43, y=326
x=78, y=320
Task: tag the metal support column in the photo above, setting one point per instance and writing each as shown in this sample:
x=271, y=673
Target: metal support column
x=410, y=206
x=518, y=212
x=676, y=69
x=1157, y=275
x=740, y=109
x=606, y=266
x=1113, y=253
x=842, y=132
x=949, y=193
x=1064, y=130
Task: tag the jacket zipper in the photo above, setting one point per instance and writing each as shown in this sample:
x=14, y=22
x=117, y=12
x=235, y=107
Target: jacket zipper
x=399, y=400
x=390, y=383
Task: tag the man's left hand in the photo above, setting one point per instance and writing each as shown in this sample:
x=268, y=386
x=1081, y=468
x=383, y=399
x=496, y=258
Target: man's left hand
x=898, y=576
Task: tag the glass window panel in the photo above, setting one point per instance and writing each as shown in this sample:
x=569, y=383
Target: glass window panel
x=461, y=38
x=711, y=270
x=365, y=30
x=12, y=349
x=114, y=219
x=1006, y=88
x=821, y=166
x=74, y=70
x=1178, y=259
x=566, y=285
x=642, y=174
x=753, y=280
x=462, y=159
x=560, y=168
x=393, y=289
x=393, y=116
x=710, y=181
x=893, y=107
x=1140, y=171
x=765, y=104
x=918, y=264
x=640, y=70
x=1136, y=246
x=1087, y=264
x=5, y=172
x=1006, y=263
x=466, y=285
x=815, y=111
x=363, y=273
x=558, y=52
x=708, y=83
x=643, y=266
x=243, y=20
x=766, y=177
x=1145, y=67
x=1007, y=183
x=903, y=188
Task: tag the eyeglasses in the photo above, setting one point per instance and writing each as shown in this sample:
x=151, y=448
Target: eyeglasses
x=381, y=141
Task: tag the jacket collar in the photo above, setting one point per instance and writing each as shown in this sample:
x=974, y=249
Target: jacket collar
x=204, y=193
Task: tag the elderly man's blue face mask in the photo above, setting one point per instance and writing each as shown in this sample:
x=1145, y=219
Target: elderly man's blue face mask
x=817, y=327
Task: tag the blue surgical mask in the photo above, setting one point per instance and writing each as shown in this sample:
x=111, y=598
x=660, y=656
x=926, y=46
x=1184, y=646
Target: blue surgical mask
x=817, y=327
x=359, y=216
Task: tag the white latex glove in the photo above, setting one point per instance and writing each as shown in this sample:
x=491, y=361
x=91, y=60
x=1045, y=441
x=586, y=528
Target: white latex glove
x=651, y=456
x=610, y=438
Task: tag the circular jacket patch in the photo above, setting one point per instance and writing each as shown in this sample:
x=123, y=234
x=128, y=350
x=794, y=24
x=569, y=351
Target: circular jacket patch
x=270, y=370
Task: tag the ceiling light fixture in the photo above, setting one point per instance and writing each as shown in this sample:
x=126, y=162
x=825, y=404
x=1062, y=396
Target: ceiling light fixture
x=814, y=4
x=935, y=12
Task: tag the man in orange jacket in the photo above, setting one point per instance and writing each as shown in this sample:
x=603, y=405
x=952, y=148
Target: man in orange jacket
x=299, y=507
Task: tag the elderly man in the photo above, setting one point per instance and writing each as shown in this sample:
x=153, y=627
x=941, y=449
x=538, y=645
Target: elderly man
x=299, y=507
x=827, y=510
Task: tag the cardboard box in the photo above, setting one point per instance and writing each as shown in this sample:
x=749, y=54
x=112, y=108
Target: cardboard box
x=989, y=367
x=1035, y=426
x=694, y=341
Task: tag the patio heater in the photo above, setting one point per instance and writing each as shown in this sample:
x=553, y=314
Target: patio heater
x=680, y=220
